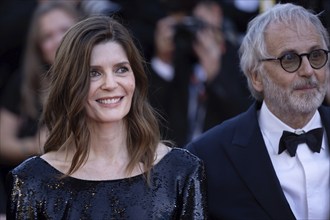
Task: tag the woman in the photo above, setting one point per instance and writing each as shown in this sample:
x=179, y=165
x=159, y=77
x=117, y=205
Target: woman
x=103, y=157
x=21, y=105
x=21, y=102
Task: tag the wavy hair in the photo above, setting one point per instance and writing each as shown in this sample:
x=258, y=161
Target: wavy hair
x=253, y=47
x=64, y=113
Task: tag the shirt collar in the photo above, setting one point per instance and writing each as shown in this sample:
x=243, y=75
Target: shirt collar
x=274, y=127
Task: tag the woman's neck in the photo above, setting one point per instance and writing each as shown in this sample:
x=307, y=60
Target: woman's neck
x=108, y=141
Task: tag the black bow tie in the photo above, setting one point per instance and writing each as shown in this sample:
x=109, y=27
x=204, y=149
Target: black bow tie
x=290, y=141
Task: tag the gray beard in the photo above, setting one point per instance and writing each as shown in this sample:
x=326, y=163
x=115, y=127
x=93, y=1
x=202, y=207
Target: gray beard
x=288, y=101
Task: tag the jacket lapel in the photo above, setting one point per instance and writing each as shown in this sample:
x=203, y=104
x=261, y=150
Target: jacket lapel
x=325, y=117
x=252, y=161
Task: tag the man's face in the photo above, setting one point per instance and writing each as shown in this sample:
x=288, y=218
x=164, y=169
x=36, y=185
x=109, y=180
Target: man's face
x=302, y=91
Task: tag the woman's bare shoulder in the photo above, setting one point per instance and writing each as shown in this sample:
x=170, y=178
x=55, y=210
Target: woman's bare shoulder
x=57, y=160
x=161, y=151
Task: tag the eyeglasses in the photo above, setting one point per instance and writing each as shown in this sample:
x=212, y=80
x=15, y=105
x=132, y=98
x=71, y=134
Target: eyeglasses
x=291, y=61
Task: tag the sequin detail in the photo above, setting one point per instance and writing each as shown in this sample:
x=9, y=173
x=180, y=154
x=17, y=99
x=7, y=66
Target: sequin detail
x=177, y=191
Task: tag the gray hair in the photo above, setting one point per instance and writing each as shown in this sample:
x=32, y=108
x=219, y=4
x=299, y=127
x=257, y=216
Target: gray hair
x=253, y=46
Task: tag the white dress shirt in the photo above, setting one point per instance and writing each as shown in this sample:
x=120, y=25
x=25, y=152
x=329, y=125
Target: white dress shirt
x=305, y=178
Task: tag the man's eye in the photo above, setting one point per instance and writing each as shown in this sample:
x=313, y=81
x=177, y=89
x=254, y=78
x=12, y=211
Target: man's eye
x=316, y=54
x=290, y=57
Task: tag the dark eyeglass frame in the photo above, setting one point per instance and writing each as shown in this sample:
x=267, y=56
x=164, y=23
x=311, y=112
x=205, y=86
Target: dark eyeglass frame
x=300, y=59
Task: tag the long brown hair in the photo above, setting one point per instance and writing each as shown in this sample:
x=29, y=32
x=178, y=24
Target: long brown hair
x=64, y=113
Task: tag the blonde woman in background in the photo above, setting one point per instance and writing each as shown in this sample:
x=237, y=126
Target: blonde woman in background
x=21, y=102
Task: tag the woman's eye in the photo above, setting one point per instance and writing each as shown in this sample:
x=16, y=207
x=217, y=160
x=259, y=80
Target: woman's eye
x=122, y=70
x=94, y=73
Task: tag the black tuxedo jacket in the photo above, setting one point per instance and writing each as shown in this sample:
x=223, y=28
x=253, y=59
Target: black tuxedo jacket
x=242, y=183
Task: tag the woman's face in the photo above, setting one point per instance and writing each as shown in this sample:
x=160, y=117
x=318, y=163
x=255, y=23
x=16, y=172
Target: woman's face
x=53, y=26
x=112, y=83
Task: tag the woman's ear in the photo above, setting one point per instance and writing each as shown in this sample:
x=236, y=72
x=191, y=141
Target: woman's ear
x=257, y=82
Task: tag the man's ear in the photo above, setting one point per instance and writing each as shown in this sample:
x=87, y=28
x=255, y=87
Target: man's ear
x=257, y=82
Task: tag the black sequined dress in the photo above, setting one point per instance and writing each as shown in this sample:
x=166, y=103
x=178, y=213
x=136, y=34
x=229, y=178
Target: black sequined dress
x=177, y=191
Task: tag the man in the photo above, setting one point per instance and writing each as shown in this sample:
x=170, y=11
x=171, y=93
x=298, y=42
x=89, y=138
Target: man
x=188, y=83
x=251, y=174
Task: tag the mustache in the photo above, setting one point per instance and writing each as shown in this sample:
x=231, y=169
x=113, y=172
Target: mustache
x=311, y=82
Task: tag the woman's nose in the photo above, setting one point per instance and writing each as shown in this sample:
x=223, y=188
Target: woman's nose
x=109, y=82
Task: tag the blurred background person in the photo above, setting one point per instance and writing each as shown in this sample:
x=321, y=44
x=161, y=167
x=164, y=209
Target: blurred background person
x=22, y=98
x=195, y=77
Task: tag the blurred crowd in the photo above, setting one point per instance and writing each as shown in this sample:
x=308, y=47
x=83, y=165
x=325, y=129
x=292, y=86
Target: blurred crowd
x=190, y=48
